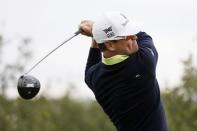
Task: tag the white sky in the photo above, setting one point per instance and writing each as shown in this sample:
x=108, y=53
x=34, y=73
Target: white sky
x=171, y=23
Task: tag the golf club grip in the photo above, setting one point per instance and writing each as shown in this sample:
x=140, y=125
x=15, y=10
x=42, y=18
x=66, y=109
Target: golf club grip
x=78, y=32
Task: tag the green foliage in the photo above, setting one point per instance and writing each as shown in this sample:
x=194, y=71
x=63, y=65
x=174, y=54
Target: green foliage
x=190, y=79
x=181, y=113
x=181, y=102
x=54, y=115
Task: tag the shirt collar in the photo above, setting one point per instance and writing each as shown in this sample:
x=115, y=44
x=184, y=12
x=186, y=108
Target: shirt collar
x=114, y=59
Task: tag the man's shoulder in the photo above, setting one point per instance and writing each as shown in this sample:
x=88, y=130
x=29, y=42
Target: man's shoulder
x=143, y=35
x=95, y=67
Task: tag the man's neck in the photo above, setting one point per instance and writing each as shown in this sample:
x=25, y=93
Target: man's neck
x=107, y=54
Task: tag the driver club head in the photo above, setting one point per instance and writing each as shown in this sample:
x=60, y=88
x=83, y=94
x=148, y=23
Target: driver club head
x=28, y=86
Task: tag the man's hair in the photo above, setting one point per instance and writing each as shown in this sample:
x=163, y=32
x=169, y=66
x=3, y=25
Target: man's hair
x=102, y=46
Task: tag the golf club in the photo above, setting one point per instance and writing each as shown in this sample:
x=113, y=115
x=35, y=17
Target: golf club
x=28, y=86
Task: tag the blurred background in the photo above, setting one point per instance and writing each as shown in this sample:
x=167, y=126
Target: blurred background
x=29, y=29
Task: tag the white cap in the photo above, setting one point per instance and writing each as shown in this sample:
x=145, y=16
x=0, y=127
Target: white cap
x=112, y=25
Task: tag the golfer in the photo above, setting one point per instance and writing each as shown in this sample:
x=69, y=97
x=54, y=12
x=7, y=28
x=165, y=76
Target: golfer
x=120, y=71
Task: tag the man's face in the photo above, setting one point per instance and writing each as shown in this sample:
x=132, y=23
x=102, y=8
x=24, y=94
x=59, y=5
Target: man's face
x=125, y=46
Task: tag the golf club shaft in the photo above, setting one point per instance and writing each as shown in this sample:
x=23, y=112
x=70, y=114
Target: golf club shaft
x=75, y=34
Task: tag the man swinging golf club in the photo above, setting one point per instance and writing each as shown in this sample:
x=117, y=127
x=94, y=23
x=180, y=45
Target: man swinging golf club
x=123, y=78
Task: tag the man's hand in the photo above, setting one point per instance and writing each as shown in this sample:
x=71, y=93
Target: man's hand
x=86, y=27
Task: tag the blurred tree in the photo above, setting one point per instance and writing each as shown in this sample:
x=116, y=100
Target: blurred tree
x=1, y=43
x=180, y=102
x=55, y=115
x=189, y=80
x=10, y=71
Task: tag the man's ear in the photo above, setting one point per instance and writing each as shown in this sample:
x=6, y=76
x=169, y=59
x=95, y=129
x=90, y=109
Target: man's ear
x=134, y=37
x=110, y=46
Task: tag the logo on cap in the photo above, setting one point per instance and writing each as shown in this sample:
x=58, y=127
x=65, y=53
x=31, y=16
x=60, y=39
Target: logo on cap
x=108, y=31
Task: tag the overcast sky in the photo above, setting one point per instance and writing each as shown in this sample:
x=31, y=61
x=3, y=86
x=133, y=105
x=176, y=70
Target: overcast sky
x=171, y=23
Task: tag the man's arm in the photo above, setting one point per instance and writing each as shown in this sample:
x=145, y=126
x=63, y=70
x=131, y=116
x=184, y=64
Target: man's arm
x=94, y=56
x=145, y=41
x=148, y=55
x=94, y=53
